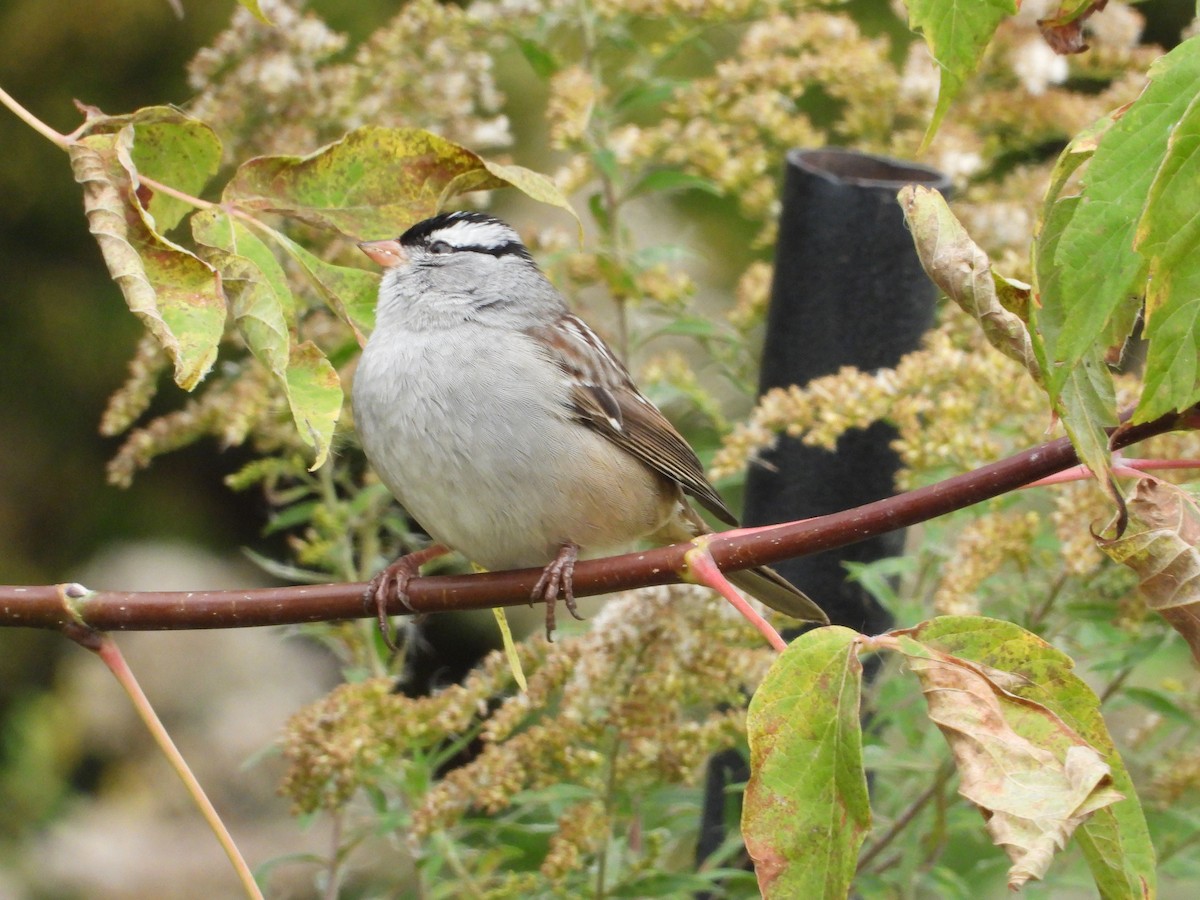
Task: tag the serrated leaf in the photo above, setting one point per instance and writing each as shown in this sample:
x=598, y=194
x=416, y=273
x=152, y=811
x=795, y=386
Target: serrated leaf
x=315, y=395
x=1168, y=238
x=1162, y=545
x=1115, y=839
x=351, y=293
x=374, y=182
x=175, y=294
x=958, y=266
x=956, y=32
x=1086, y=398
x=806, y=812
x=1102, y=276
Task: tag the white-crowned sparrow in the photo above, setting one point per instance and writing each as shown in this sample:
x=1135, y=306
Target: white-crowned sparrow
x=508, y=429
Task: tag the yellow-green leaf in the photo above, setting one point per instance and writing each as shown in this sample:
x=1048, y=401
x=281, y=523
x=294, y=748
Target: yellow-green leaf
x=351, y=293
x=806, y=811
x=218, y=230
x=1034, y=777
x=169, y=146
x=172, y=291
x=375, y=182
x=315, y=395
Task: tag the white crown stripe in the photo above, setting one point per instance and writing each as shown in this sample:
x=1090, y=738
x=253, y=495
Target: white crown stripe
x=489, y=235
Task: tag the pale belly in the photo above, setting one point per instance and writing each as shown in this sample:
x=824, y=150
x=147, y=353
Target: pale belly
x=473, y=469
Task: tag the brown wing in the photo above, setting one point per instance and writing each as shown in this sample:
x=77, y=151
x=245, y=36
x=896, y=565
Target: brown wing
x=605, y=398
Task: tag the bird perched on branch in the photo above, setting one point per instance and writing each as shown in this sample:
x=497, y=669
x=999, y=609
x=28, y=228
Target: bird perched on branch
x=508, y=429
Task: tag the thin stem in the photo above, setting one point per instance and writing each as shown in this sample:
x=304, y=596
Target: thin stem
x=1117, y=683
x=33, y=121
x=701, y=566
x=945, y=770
x=1043, y=609
x=466, y=880
x=104, y=647
x=333, y=871
x=177, y=194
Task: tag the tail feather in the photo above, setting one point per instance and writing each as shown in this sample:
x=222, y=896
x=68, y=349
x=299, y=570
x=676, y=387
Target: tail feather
x=778, y=593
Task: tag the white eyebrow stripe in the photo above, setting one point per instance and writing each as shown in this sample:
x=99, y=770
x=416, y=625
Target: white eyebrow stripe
x=489, y=235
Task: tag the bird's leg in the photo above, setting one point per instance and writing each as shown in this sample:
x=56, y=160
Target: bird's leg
x=393, y=582
x=558, y=575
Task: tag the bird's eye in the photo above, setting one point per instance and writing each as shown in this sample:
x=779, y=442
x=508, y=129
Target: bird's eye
x=440, y=247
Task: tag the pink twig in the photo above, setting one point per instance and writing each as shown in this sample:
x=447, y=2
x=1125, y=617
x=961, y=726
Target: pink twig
x=701, y=569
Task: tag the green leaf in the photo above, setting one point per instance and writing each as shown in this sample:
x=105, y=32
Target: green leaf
x=1115, y=839
x=315, y=395
x=216, y=229
x=806, y=812
x=351, y=293
x=375, y=182
x=263, y=310
x=1102, y=277
x=662, y=181
x=256, y=10
x=956, y=31
x=541, y=60
x=1086, y=399
x=1168, y=238
x=169, y=146
x=175, y=294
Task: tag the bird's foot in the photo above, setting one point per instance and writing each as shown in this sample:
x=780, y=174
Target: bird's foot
x=558, y=577
x=392, y=582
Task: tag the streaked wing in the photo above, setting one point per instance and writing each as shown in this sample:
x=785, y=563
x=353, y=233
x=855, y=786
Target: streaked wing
x=606, y=399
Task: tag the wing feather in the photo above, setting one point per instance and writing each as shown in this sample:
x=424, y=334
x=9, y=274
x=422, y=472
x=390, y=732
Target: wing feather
x=604, y=397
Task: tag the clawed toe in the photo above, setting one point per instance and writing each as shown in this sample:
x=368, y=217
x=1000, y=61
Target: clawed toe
x=558, y=577
x=392, y=582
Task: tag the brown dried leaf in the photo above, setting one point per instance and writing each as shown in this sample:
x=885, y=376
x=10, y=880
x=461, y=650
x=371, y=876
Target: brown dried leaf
x=175, y=294
x=958, y=266
x=1064, y=30
x=1161, y=546
x=1034, y=778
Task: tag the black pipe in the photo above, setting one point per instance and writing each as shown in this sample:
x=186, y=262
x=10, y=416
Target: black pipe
x=848, y=290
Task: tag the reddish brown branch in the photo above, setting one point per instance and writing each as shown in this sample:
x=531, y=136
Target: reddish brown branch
x=56, y=606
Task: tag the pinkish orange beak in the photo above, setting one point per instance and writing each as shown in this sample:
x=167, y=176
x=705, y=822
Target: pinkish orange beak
x=385, y=253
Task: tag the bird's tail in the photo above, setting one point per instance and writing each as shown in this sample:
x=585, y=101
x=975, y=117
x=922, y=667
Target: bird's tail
x=778, y=593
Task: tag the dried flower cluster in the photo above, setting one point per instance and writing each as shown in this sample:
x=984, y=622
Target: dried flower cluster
x=285, y=89
x=982, y=547
x=956, y=402
x=656, y=686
